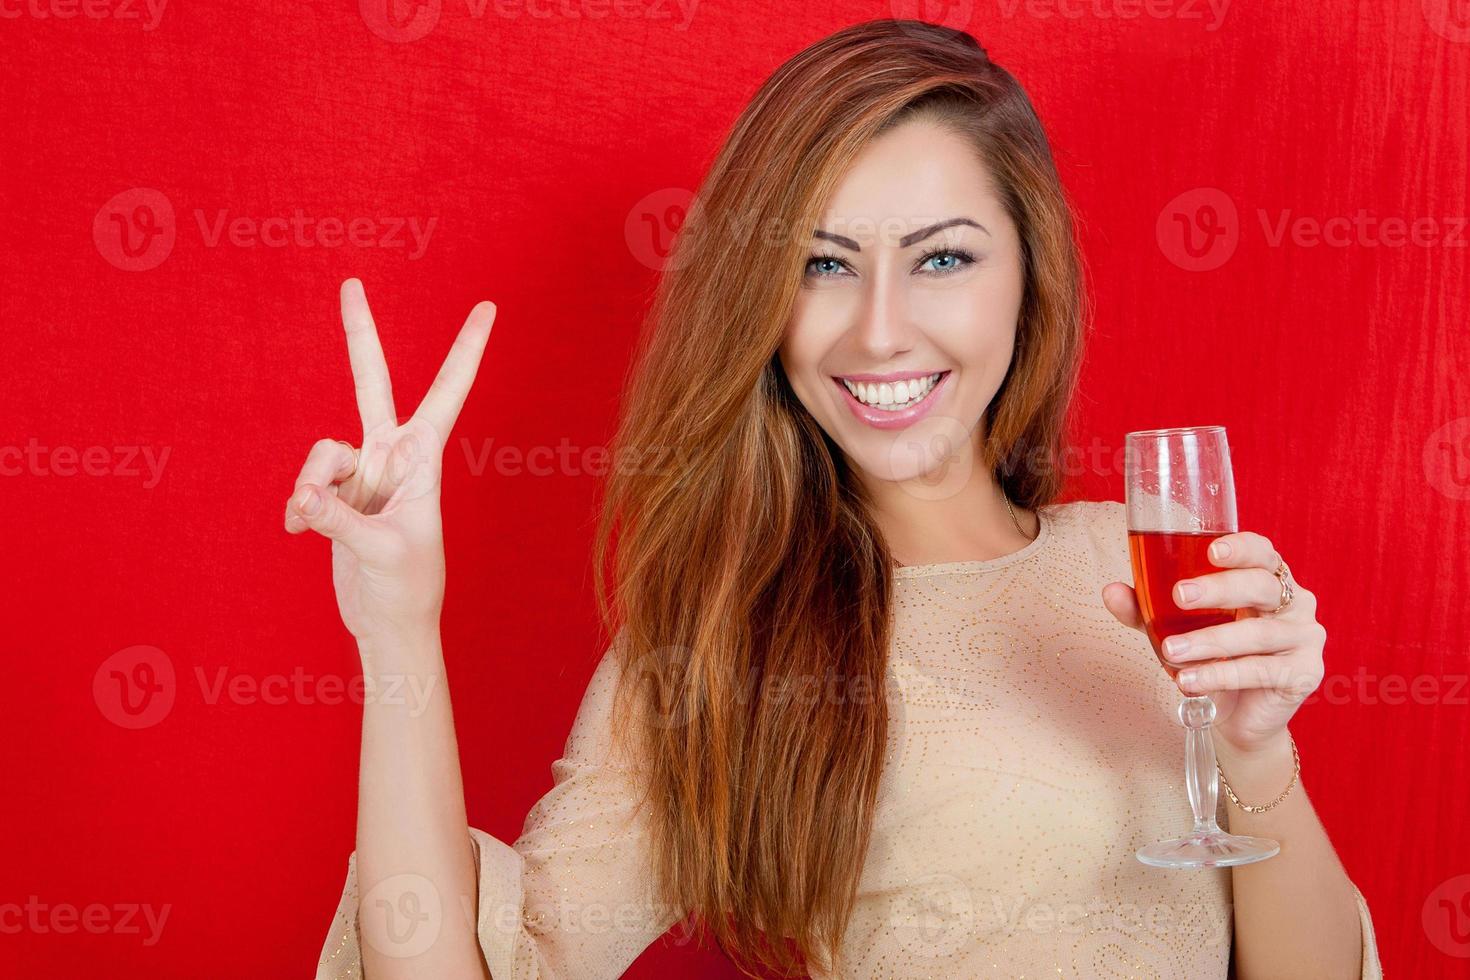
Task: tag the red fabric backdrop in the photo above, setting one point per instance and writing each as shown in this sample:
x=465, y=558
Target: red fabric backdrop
x=1273, y=204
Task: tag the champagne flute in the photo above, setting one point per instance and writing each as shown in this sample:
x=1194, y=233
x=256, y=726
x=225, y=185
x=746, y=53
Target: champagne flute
x=1180, y=495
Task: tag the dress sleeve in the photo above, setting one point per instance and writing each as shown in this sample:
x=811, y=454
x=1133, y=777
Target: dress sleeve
x=1372, y=969
x=572, y=897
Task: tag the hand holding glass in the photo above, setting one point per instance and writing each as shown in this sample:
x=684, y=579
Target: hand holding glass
x=1180, y=495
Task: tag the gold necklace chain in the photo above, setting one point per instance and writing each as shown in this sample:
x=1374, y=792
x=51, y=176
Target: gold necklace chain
x=1012, y=512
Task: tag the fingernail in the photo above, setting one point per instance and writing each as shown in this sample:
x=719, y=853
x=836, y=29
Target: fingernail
x=308, y=502
x=1219, y=549
x=1188, y=677
x=1176, y=645
x=1188, y=591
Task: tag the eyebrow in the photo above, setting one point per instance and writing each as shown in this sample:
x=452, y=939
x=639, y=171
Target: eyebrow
x=906, y=240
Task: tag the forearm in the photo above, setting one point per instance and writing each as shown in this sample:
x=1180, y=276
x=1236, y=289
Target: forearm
x=1296, y=913
x=415, y=863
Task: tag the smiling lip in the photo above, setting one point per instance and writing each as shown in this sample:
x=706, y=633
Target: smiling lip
x=889, y=378
x=883, y=419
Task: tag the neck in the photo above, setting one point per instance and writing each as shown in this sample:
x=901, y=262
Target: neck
x=929, y=519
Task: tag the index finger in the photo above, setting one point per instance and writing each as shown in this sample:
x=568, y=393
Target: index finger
x=1244, y=549
x=365, y=353
x=446, y=396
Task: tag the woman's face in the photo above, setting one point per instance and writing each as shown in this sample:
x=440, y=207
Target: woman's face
x=916, y=271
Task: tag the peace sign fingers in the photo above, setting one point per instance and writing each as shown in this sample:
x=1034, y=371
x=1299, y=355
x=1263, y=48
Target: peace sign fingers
x=365, y=353
x=446, y=396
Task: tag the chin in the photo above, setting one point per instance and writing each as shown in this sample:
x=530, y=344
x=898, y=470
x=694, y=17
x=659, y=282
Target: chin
x=927, y=459
x=897, y=458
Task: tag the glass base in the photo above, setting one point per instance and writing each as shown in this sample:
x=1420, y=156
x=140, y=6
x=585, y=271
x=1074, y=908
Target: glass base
x=1215, y=849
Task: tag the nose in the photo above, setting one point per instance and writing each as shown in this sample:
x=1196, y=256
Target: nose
x=883, y=329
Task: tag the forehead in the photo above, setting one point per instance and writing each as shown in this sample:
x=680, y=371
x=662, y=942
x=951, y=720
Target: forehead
x=911, y=176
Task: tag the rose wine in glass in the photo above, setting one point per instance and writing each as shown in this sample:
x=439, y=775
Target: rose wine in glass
x=1161, y=558
x=1180, y=496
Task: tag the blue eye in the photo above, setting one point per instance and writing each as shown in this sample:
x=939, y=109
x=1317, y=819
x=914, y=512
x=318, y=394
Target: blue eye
x=948, y=261
x=958, y=259
x=823, y=259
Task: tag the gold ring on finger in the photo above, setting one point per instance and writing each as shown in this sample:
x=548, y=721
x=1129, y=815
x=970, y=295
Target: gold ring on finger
x=1288, y=590
x=352, y=449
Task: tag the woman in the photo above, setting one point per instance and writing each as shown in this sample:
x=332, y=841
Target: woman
x=874, y=703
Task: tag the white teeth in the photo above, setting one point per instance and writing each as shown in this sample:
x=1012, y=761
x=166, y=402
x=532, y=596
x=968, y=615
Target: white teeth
x=892, y=396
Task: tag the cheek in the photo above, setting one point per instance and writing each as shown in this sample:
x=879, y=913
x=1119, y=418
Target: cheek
x=974, y=327
x=803, y=346
x=790, y=352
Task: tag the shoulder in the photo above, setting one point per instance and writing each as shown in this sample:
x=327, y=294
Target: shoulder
x=1096, y=528
x=1094, y=517
x=599, y=731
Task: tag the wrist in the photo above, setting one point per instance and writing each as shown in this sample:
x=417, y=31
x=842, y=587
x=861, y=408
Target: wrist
x=1258, y=773
x=409, y=647
x=1271, y=746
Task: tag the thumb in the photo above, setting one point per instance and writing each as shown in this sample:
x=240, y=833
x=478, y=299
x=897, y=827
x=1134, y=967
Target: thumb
x=413, y=467
x=330, y=516
x=1121, y=601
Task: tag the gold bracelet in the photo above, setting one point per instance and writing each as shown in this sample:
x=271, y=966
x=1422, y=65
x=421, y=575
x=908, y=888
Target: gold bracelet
x=1296, y=762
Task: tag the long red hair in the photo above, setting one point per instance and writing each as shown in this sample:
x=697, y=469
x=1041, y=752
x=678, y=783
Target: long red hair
x=747, y=566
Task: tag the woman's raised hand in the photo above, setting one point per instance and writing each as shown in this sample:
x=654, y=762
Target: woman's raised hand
x=1257, y=668
x=379, y=503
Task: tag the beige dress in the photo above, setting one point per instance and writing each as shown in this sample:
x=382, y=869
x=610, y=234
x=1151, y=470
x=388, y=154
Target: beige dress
x=1032, y=748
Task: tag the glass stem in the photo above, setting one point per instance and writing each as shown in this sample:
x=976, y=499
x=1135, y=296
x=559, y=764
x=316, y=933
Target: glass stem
x=1200, y=778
